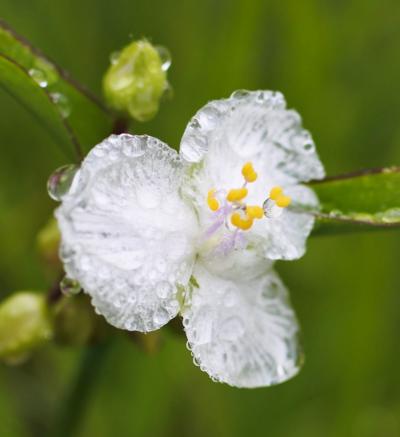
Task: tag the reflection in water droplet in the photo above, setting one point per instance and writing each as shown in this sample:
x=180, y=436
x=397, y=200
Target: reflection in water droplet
x=165, y=57
x=39, y=77
x=114, y=57
x=69, y=286
x=60, y=181
x=62, y=104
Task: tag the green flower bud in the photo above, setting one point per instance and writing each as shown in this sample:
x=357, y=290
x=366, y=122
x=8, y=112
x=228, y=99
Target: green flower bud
x=48, y=242
x=137, y=79
x=25, y=323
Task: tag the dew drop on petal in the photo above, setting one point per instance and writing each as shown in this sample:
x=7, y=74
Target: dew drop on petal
x=165, y=57
x=69, y=286
x=161, y=317
x=62, y=103
x=271, y=210
x=132, y=146
x=163, y=289
x=240, y=94
x=59, y=183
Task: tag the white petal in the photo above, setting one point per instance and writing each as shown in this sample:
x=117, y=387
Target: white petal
x=252, y=126
x=285, y=237
x=242, y=332
x=127, y=236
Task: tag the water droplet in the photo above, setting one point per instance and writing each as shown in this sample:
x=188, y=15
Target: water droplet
x=240, y=94
x=132, y=299
x=277, y=100
x=69, y=286
x=173, y=307
x=39, y=77
x=66, y=252
x=271, y=210
x=194, y=123
x=132, y=146
x=165, y=57
x=114, y=57
x=62, y=103
x=164, y=289
x=196, y=361
x=120, y=300
x=60, y=181
x=161, y=317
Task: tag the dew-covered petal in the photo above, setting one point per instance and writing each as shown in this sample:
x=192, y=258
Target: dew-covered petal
x=127, y=235
x=242, y=332
x=251, y=126
x=285, y=237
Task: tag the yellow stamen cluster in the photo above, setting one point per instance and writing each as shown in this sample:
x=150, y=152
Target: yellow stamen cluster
x=280, y=199
x=244, y=216
x=244, y=220
x=212, y=202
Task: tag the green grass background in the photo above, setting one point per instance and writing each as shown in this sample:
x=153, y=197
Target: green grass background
x=338, y=63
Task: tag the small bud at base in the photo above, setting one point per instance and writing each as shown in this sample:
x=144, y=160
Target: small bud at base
x=25, y=323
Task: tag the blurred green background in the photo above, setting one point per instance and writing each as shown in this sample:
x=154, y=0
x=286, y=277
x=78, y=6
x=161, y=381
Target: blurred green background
x=338, y=63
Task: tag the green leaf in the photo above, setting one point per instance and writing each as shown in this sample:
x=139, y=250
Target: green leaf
x=368, y=199
x=75, y=119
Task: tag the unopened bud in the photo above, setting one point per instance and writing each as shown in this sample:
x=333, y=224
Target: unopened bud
x=48, y=242
x=137, y=79
x=25, y=323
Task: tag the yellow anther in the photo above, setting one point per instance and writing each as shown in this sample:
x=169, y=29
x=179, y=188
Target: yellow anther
x=237, y=194
x=241, y=223
x=255, y=212
x=283, y=201
x=275, y=192
x=212, y=202
x=248, y=172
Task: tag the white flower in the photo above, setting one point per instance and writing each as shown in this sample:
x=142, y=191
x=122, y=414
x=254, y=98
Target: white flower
x=149, y=233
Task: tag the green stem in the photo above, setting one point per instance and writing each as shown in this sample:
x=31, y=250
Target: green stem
x=75, y=405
